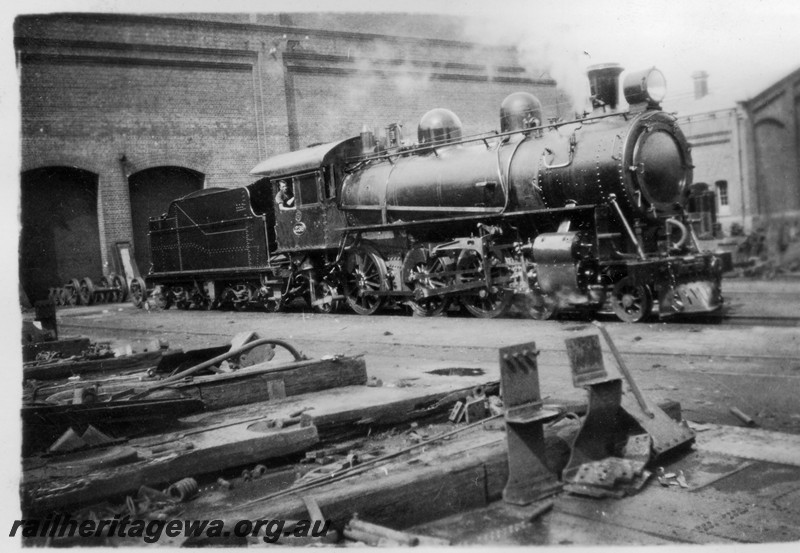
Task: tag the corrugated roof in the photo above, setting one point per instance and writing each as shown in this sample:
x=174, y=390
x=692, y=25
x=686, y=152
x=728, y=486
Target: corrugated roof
x=303, y=160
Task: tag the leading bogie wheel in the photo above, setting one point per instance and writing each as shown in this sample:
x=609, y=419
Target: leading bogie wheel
x=365, y=279
x=631, y=303
x=541, y=306
x=327, y=300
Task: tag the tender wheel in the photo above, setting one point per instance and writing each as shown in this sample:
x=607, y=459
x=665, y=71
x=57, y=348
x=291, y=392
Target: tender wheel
x=484, y=303
x=327, y=301
x=236, y=297
x=366, y=276
x=631, y=304
x=427, y=277
x=138, y=292
x=181, y=297
x=161, y=297
x=228, y=298
x=244, y=295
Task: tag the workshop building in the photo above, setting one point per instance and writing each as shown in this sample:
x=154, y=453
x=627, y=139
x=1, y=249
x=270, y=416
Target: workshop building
x=748, y=152
x=123, y=113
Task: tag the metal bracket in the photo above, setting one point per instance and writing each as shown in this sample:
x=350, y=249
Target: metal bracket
x=604, y=424
x=666, y=433
x=601, y=426
x=529, y=479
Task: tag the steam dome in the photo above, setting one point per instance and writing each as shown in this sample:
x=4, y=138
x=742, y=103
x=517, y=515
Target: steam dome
x=439, y=126
x=520, y=111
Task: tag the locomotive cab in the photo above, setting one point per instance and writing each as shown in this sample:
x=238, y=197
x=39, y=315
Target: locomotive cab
x=306, y=214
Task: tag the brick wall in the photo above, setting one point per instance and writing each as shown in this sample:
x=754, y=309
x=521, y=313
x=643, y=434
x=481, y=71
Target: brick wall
x=219, y=96
x=330, y=107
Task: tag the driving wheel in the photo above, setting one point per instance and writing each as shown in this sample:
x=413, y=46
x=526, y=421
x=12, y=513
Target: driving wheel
x=365, y=279
x=487, y=302
x=428, y=275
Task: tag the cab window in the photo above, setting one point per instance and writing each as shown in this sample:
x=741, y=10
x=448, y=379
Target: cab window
x=307, y=189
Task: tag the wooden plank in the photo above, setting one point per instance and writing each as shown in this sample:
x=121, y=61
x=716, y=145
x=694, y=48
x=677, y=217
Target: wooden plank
x=261, y=383
x=459, y=479
x=64, y=369
x=257, y=383
x=53, y=486
x=43, y=424
x=400, y=405
x=216, y=436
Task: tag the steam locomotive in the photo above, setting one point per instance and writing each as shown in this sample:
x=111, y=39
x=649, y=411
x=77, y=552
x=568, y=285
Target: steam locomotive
x=588, y=214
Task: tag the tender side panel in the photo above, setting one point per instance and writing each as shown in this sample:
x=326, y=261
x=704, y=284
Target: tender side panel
x=211, y=232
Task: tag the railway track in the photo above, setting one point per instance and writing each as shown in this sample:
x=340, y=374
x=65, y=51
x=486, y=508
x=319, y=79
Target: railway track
x=746, y=320
x=734, y=319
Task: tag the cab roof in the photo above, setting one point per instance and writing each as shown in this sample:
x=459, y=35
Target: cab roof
x=307, y=159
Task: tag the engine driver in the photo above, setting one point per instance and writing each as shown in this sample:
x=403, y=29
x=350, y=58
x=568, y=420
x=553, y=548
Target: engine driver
x=282, y=198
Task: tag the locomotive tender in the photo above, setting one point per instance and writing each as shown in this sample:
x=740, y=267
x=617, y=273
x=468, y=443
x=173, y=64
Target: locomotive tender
x=586, y=214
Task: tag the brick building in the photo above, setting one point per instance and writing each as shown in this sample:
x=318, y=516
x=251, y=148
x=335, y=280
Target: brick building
x=123, y=113
x=773, y=123
x=715, y=128
x=749, y=153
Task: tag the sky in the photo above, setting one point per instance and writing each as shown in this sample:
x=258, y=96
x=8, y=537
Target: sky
x=744, y=46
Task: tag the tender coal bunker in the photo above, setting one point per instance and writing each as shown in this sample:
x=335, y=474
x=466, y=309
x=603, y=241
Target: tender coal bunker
x=457, y=371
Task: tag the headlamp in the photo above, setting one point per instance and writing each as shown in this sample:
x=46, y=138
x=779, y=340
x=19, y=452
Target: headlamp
x=648, y=86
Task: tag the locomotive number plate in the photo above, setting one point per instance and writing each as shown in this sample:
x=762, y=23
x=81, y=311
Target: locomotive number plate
x=299, y=229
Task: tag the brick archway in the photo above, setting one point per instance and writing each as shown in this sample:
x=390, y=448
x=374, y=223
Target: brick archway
x=60, y=238
x=151, y=191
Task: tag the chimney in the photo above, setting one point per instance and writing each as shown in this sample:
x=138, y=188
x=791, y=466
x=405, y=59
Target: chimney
x=700, y=84
x=604, y=85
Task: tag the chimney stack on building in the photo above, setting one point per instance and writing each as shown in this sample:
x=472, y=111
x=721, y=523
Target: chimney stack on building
x=700, y=84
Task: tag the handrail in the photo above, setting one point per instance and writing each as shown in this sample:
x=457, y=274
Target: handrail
x=612, y=199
